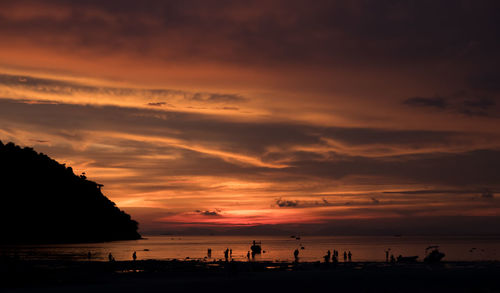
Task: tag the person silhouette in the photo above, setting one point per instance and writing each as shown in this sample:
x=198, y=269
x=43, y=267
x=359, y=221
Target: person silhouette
x=231, y=253
x=334, y=258
x=226, y=254
x=327, y=256
x=248, y=255
x=345, y=256
x=209, y=252
x=296, y=255
x=110, y=257
x=349, y=255
x=134, y=255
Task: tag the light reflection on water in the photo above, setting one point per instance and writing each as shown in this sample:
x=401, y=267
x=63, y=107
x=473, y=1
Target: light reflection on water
x=277, y=248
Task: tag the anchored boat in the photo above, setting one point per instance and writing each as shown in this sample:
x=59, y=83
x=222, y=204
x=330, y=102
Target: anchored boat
x=256, y=247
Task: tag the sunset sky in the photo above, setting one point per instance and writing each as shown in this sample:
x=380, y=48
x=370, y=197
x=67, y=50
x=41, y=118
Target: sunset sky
x=242, y=113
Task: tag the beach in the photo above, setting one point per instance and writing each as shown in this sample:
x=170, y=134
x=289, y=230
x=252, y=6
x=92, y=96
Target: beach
x=239, y=276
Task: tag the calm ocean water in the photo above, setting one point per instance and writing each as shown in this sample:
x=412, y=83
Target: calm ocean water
x=277, y=248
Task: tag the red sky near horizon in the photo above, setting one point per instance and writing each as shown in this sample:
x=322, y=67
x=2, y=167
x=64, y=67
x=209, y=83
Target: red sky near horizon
x=237, y=113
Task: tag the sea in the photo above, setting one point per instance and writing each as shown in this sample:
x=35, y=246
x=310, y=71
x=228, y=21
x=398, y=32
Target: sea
x=274, y=248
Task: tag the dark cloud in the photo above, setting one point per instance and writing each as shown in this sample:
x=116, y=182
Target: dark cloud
x=286, y=203
x=217, y=98
x=361, y=32
x=39, y=140
x=487, y=194
x=208, y=213
x=476, y=168
x=478, y=107
x=60, y=87
x=436, y=102
x=480, y=103
x=367, y=136
x=461, y=102
x=487, y=79
x=157, y=104
x=431, y=191
x=453, y=169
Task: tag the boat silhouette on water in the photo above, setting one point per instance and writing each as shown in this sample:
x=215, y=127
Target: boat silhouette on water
x=256, y=247
x=434, y=256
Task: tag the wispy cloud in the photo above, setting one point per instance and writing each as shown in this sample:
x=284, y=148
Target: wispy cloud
x=461, y=102
x=214, y=213
x=434, y=102
x=53, y=91
x=275, y=112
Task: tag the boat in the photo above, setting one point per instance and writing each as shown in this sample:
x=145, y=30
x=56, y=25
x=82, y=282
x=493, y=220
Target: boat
x=256, y=247
x=434, y=256
x=407, y=259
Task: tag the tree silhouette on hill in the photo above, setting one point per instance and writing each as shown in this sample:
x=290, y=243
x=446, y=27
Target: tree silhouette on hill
x=42, y=201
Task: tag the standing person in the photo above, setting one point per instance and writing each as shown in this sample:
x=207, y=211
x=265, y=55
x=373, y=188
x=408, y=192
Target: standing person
x=209, y=252
x=110, y=257
x=345, y=256
x=327, y=256
x=387, y=255
x=134, y=255
x=226, y=254
x=296, y=255
x=248, y=255
x=231, y=253
x=350, y=256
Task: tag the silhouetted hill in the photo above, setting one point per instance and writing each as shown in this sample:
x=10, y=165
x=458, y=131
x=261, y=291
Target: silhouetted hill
x=42, y=201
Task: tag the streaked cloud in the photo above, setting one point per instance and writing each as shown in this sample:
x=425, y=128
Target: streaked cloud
x=275, y=113
x=461, y=102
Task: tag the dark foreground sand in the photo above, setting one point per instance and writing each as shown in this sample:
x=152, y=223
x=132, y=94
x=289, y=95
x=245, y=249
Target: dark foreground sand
x=195, y=276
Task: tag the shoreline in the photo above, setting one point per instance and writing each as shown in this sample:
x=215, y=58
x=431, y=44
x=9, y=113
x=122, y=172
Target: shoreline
x=153, y=275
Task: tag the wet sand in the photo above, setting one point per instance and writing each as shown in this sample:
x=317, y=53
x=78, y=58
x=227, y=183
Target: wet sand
x=198, y=276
